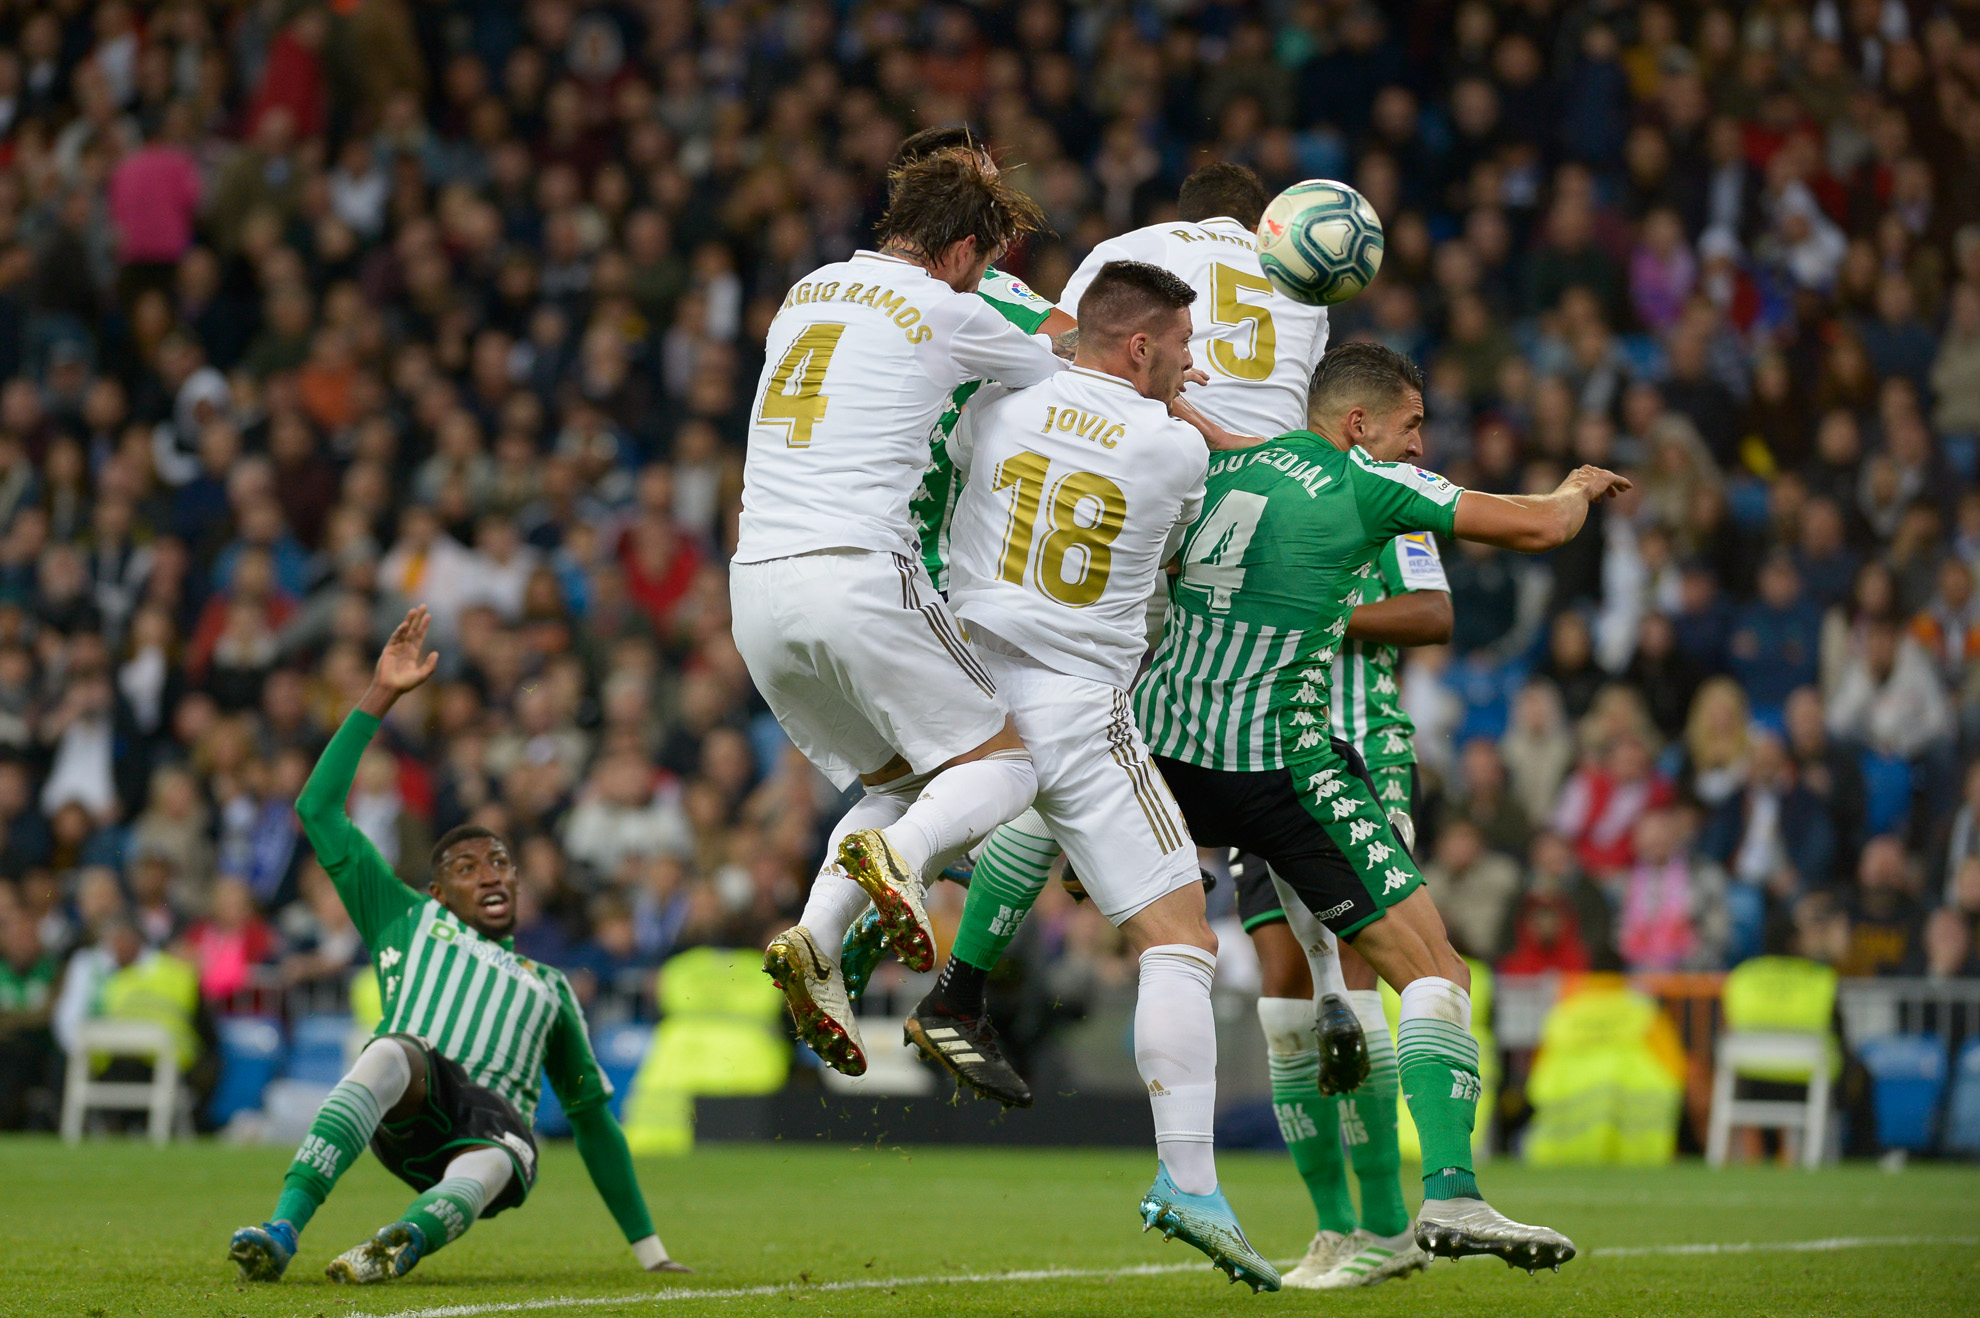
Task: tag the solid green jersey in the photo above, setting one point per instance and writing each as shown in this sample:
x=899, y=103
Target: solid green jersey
x=505, y=1018
x=1368, y=712
x=933, y=505
x=1242, y=677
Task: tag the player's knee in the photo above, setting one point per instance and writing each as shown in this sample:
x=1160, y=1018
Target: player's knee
x=387, y=1068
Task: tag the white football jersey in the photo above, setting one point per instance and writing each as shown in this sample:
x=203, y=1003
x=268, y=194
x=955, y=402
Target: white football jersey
x=1073, y=490
x=860, y=362
x=1258, y=345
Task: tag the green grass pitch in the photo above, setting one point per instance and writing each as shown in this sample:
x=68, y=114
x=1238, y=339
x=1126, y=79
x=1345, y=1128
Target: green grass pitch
x=123, y=1229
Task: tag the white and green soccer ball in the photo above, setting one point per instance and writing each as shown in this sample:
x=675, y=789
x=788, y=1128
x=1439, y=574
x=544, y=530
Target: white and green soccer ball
x=1320, y=242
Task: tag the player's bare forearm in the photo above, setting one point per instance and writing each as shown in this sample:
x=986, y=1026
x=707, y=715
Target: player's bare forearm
x=1418, y=617
x=1535, y=523
x=1219, y=439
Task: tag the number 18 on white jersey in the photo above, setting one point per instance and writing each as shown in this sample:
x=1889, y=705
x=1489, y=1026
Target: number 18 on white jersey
x=1074, y=488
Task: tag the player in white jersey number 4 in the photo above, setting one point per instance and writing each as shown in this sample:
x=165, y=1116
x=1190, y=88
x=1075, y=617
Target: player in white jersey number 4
x=844, y=635
x=1077, y=490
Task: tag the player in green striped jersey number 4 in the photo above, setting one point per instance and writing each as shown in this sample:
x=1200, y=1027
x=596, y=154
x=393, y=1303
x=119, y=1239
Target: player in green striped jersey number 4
x=445, y=1093
x=1237, y=706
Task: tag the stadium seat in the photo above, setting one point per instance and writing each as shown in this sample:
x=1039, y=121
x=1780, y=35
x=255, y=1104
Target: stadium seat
x=620, y=1049
x=251, y=1054
x=1907, y=1081
x=1887, y=785
x=159, y=1097
x=317, y=1049
x=1963, y=1112
x=1777, y=1015
x=551, y=1123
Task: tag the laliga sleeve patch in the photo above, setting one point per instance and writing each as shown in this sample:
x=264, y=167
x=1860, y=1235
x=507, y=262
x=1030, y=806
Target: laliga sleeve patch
x=1419, y=564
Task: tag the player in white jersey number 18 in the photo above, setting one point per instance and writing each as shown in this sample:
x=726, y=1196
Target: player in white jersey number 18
x=843, y=634
x=1076, y=492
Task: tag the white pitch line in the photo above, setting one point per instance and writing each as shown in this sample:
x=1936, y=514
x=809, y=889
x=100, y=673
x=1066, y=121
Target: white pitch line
x=675, y=1293
x=1782, y=1246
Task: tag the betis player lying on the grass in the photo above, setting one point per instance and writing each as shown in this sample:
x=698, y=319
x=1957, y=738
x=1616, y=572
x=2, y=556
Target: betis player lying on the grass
x=445, y=1094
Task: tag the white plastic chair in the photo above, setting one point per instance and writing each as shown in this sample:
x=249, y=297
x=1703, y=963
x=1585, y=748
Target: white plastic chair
x=159, y=1096
x=1807, y=1120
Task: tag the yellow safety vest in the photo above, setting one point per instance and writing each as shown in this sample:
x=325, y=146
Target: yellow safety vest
x=159, y=988
x=718, y=1035
x=1607, y=1082
x=1782, y=995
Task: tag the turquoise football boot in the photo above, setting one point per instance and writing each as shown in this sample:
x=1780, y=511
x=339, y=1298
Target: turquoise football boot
x=859, y=955
x=1207, y=1222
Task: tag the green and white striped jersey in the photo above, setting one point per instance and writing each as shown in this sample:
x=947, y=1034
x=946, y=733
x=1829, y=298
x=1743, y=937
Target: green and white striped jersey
x=932, y=507
x=505, y=1018
x=1368, y=712
x=1243, y=675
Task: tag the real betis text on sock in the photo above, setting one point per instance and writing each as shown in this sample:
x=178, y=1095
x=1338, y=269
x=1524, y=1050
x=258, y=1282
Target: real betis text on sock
x=1312, y=1131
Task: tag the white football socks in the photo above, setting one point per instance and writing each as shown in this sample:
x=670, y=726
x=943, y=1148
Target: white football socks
x=1175, y=1049
x=1288, y=1026
x=835, y=901
x=962, y=804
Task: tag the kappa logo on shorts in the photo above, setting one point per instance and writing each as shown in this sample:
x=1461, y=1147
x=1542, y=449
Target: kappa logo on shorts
x=1393, y=789
x=1379, y=852
x=522, y=1150
x=1343, y=808
x=1360, y=831
x=1333, y=911
x=1307, y=740
x=1396, y=878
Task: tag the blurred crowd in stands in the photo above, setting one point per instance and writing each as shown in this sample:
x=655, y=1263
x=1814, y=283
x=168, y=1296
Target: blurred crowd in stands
x=309, y=311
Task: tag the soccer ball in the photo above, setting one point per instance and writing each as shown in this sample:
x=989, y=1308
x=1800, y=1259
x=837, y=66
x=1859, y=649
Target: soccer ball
x=1320, y=242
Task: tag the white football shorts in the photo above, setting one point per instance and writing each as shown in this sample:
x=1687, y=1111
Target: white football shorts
x=861, y=661
x=1099, y=792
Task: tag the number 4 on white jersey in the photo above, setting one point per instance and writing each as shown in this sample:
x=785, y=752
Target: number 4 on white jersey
x=1216, y=551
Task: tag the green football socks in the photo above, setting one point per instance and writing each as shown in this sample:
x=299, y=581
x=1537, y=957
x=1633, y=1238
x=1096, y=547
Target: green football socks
x=1438, y=1061
x=1009, y=874
x=1368, y=1123
x=1311, y=1126
x=342, y=1129
x=447, y=1210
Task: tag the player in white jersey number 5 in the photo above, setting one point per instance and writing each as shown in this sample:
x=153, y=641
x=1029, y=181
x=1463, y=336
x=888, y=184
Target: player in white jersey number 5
x=852, y=648
x=1077, y=490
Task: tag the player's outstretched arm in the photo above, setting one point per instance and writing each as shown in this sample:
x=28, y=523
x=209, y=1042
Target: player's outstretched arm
x=1417, y=617
x=1219, y=439
x=370, y=891
x=1535, y=523
x=606, y=1156
x=581, y=1087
